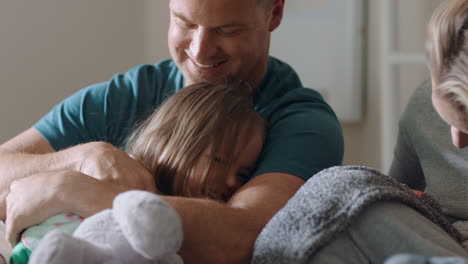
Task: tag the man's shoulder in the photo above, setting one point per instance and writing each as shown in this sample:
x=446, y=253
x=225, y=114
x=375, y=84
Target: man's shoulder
x=297, y=106
x=279, y=70
x=285, y=97
x=301, y=126
x=279, y=80
x=165, y=69
x=300, y=95
x=282, y=91
x=304, y=134
x=161, y=79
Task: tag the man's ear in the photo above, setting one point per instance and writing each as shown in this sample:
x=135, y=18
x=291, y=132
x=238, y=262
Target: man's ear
x=276, y=14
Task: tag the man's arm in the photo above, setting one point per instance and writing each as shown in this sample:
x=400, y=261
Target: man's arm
x=213, y=232
x=29, y=153
x=226, y=233
x=19, y=159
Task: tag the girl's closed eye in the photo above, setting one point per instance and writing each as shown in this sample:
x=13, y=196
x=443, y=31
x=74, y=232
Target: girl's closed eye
x=219, y=161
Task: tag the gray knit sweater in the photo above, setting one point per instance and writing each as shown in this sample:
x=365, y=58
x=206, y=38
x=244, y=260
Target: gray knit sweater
x=325, y=205
x=425, y=158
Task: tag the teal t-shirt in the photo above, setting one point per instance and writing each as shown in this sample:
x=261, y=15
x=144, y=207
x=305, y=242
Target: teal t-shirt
x=304, y=135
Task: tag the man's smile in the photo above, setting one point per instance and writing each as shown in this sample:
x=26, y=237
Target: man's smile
x=206, y=66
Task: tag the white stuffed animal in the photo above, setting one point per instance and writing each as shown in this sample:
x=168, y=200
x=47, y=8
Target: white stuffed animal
x=140, y=228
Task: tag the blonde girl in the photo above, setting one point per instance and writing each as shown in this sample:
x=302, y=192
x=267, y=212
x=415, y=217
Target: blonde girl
x=203, y=132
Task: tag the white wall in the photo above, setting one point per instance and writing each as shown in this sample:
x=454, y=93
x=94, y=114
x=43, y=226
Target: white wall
x=363, y=140
x=157, y=23
x=51, y=48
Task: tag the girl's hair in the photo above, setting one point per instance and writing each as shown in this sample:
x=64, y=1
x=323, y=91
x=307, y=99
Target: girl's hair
x=447, y=52
x=174, y=138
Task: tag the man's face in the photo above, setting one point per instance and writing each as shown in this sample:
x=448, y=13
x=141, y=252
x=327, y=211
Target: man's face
x=219, y=40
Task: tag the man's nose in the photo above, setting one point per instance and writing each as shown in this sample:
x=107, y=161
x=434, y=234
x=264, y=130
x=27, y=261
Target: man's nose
x=203, y=45
x=459, y=138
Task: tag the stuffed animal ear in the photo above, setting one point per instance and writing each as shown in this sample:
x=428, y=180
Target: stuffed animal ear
x=152, y=227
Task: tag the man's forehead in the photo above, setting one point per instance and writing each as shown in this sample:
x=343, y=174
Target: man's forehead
x=212, y=7
x=247, y=2
x=215, y=13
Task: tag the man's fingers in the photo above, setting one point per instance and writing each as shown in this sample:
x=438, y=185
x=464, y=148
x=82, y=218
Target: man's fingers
x=10, y=228
x=11, y=233
x=11, y=221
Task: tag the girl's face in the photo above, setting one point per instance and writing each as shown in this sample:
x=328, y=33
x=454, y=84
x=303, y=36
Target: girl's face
x=220, y=185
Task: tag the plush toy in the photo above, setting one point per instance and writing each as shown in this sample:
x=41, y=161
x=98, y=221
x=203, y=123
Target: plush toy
x=140, y=228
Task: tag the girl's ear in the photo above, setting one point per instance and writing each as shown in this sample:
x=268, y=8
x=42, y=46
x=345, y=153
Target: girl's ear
x=276, y=14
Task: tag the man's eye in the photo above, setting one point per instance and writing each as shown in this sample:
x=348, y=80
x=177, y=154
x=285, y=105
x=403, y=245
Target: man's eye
x=184, y=24
x=228, y=32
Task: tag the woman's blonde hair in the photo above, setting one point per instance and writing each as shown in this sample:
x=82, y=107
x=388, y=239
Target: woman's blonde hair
x=447, y=52
x=173, y=138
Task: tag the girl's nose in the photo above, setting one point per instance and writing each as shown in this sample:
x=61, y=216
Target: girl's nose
x=232, y=181
x=232, y=184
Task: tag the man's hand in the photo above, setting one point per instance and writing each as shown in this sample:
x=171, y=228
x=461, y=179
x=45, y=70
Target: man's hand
x=34, y=199
x=105, y=162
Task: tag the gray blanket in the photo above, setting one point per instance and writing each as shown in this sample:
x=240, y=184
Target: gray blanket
x=325, y=205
